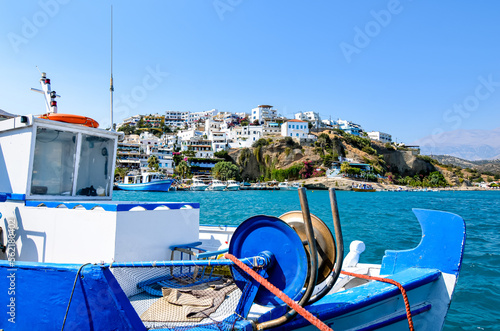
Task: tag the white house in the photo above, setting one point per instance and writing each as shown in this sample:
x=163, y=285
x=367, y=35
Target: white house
x=219, y=140
x=189, y=133
x=380, y=136
x=263, y=112
x=202, y=115
x=132, y=121
x=149, y=139
x=308, y=116
x=350, y=127
x=202, y=147
x=176, y=118
x=295, y=129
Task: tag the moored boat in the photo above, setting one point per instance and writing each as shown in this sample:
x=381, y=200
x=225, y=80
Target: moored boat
x=363, y=187
x=216, y=185
x=147, y=181
x=198, y=185
x=232, y=185
x=75, y=260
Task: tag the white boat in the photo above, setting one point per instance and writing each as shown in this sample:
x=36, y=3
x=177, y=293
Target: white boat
x=147, y=181
x=216, y=185
x=295, y=186
x=198, y=185
x=232, y=185
x=284, y=185
x=78, y=261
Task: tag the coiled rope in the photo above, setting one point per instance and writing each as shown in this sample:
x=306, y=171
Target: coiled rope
x=274, y=290
x=393, y=282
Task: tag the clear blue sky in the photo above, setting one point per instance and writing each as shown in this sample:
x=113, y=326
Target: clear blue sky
x=402, y=74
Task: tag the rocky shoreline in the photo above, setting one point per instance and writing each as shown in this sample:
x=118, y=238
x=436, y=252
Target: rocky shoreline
x=345, y=184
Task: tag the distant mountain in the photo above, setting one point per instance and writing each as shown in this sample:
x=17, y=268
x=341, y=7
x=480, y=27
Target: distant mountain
x=455, y=161
x=465, y=144
x=482, y=166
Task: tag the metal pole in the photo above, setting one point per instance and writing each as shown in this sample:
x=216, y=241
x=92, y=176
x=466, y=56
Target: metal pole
x=313, y=266
x=340, y=249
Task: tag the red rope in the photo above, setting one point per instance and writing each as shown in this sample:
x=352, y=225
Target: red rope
x=274, y=290
x=393, y=282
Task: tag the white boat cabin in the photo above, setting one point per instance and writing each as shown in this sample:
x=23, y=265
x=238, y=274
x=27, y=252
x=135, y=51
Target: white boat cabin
x=56, y=191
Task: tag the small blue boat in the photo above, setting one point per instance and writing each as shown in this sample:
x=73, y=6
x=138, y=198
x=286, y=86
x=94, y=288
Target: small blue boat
x=147, y=181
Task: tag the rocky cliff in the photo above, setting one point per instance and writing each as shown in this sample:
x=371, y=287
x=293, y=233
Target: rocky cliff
x=278, y=153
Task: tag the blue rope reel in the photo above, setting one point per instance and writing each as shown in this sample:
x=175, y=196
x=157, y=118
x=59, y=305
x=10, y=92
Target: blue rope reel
x=289, y=269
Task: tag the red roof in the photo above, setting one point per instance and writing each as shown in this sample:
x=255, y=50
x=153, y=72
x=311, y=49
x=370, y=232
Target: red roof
x=296, y=121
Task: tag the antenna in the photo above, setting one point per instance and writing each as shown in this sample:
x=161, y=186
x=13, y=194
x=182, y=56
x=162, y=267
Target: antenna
x=111, y=88
x=50, y=96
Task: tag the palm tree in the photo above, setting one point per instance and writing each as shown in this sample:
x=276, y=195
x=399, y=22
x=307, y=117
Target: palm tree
x=153, y=162
x=182, y=169
x=121, y=172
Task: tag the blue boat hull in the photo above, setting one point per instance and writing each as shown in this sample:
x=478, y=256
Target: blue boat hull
x=162, y=185
x=37, y=294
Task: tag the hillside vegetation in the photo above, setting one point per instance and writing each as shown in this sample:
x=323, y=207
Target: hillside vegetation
x=280, y=158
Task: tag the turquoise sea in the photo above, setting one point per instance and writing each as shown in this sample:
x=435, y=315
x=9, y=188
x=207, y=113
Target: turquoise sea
x=383, y=220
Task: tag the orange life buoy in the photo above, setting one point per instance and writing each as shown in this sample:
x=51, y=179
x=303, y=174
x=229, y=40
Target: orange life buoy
x=69, y=118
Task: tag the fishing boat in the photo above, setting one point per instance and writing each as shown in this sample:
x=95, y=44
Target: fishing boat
x=147, y=181
x=232, y=185
x=77, y=261
x=363, y=187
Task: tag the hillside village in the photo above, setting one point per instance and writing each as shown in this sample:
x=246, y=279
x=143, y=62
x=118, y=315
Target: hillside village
x=263, y=145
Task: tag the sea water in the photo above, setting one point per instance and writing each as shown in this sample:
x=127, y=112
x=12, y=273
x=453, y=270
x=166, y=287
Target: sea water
x=382, y=220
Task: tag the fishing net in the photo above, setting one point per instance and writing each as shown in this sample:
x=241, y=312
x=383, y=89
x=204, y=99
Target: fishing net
x=181, y=297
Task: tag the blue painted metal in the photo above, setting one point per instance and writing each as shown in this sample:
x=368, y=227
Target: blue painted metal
x=248, y=293
x=395, y=319
x=112, y=205
x=161, y=185
x=289, y=270
x=40, y=294
x=441, y=247
x=250, y=261
x=12, y=196
x=358, y=298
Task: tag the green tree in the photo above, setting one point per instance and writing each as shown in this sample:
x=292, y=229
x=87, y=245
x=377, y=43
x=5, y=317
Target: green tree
x=153, y=162
x=225, y=170
x=127, y=129
x=183, y=169
x=224, y=155
x=324, y=141
x=121, y=172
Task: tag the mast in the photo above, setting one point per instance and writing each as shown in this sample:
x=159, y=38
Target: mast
x=111, y=88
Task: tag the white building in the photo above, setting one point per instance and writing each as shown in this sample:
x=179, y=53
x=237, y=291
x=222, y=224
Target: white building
x=202, y=115
x=219, y=140
x=148, y=139
x=190, y=133
x=350, y=127
x=176, y=118
x=202, y=147
x=308, y=116
x=263, y=112
x=295, y=129
x=271, y=129
x=380, y=136
x=131, y=121
x=212, y=125
x=330, y=123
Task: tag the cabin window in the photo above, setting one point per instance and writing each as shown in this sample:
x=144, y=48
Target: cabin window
x=94, y=169
x=53, y=162
x=69, y=163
